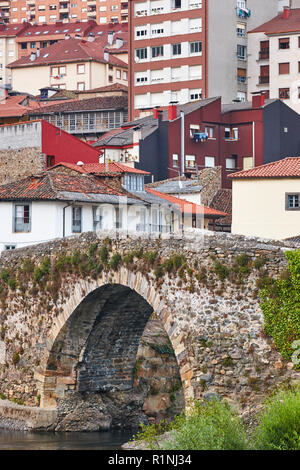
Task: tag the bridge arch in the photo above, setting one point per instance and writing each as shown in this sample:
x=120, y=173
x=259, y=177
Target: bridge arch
x=93, y=342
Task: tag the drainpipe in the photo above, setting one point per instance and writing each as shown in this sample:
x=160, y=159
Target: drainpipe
x=64, y=217
x=253, y=142
x=182, y=142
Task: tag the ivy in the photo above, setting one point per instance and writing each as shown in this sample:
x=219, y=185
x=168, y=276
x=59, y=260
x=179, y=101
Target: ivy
x=281, y=306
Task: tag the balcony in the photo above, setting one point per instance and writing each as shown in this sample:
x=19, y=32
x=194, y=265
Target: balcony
x=262, y=80
x=264, y=54
x=200, y=137
x=243, y=13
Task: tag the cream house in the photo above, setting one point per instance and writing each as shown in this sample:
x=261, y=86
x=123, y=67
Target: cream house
x=72, y=64
x=266, y=200
x=8, y=49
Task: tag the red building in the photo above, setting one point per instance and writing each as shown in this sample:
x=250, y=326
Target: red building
x=186, y=138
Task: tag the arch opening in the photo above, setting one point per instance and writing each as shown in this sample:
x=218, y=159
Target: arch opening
x=98, y=374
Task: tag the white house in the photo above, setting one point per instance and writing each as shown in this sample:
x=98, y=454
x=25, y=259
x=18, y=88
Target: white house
x=266, y=200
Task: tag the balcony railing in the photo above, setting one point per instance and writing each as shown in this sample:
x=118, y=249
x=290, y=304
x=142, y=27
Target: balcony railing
x=264, y=54
x=263, y=80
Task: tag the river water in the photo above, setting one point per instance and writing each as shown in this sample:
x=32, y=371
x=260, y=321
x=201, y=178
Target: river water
x=24, y=440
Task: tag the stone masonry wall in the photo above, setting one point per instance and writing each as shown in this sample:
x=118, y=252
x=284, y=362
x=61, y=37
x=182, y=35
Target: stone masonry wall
x=16, y=164
x=215, y=326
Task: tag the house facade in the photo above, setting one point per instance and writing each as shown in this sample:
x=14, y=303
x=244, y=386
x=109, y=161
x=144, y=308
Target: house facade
x=185, y=50
x=49, y=11
x=274, y=58
x=72, y=64
x=266, y=200
x=185, y=139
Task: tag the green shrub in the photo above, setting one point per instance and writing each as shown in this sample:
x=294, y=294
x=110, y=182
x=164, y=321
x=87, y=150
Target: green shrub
x=16, y=357
x=5, y=273
x=281, y=307
x=279, y=425
x=115, y=261
x=12, y=283
x=150, y=256
x=28, y=266
x=103, y=254
x=93, y=249
x=221, y=270
x=208, y=426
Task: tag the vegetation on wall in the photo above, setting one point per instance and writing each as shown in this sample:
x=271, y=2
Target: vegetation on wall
x=281, y=306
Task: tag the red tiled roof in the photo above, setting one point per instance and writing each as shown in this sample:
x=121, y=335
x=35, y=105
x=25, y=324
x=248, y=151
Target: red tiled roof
x=112, y=87
x=12, y=29
x=12, y=106
x=88, y=104
x=222, y=201
x=57, y=29
x=281, y=25
x=187, y=206
x=48, y=186
x=287, y=168
x=100, y=168
x=71, y=50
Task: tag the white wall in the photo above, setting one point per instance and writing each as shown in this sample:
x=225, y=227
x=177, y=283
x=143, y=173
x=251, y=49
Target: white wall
x=258, y=208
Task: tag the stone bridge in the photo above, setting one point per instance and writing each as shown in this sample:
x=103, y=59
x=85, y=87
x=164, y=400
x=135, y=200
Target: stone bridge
x=78, y=315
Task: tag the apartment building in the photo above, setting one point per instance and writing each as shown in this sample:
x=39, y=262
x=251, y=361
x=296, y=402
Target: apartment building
x=49, y=11
x=274, y=58
x=36, y=37
x=8, y=50
x=73, y=64
x=198, y=49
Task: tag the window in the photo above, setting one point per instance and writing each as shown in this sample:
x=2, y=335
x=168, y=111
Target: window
x=58, y=72
x=176, y=49
x=176, y=4
x=76, y=219
x=118, y=73
x=209, y=162
x=241, y=30
x=23, y=45
x=284, y=68
x=247, y=163
x=284, y=93
x=284, y=43
x=175, y=158
x=81, y=86
x=195, y=47
x=231, y=134
x=80, y=68
x=194, y=129
x=210, y=132
x=50, y=161
x=195, y=95
x=141, y=53
x=231, y=163
x=124, y=75
x=241, y=52
x=241, y=75
x=97, y=218
x=157, y=51
x=292, y=202
x=9, y=247
x=32, y=44
x=22, y=218
x=190, y=161
x=110, y=78
x=141, y=32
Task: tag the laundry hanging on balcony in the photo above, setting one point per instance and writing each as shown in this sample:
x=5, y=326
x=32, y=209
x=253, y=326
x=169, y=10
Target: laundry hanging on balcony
x=243, y=12
x=200, y=137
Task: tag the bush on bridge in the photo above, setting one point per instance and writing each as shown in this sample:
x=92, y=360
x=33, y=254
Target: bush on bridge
x=281, y=306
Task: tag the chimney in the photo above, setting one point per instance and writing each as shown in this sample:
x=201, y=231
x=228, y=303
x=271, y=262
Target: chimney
x=67, y=36
x=119, y=43
x=172, y=110
x=258, y=101
x=159, y=115
x=110, y=37
x=38, y=52
x=106, y=56
x=155, y=113
x=77, y=36
x=286, y=12
x=32, y=56
x=91, y=37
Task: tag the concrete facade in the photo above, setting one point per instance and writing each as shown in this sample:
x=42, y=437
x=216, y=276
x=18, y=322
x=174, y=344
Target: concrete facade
x=223, y=40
